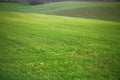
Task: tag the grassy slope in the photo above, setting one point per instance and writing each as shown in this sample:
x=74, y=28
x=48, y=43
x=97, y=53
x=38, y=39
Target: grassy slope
x=43, y=47
x=96, y=10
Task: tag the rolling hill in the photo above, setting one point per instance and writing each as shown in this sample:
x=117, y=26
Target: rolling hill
x=96, y=10
x=37, y=43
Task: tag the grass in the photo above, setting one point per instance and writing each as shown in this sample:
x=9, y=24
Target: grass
x=102, y=13
x=95, y=10
x=47, y=47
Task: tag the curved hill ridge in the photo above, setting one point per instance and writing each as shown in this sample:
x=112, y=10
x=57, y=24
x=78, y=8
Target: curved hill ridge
x=96, y=10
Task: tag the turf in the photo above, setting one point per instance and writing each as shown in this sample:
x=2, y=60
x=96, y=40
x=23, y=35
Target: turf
x=60, y=41
x=46, y=47
x=95, y=10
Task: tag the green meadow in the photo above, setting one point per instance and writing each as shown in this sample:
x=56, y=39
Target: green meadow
x=60, y=41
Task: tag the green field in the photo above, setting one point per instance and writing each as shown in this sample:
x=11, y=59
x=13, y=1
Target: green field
x=93, y=10
x=36, y=43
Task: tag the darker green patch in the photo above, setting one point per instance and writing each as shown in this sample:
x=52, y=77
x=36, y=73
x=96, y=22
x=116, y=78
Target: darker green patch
x=110, y=13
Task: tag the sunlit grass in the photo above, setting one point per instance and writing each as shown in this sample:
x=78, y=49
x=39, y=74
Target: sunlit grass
x=44, y=47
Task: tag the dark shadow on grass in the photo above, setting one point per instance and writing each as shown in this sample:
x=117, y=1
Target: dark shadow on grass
x=100, y=13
